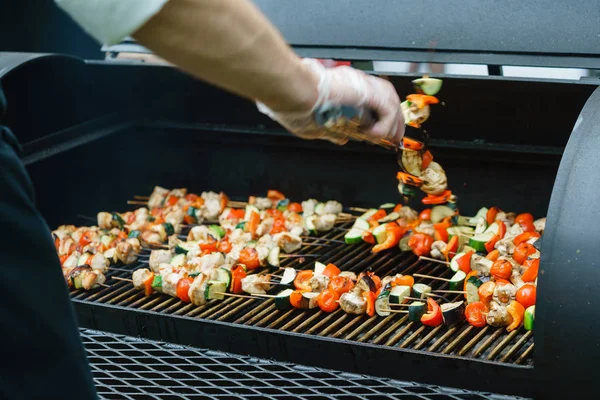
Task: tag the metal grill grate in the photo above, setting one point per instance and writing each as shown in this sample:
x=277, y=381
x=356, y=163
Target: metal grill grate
x=463, y=340
x=125, y=367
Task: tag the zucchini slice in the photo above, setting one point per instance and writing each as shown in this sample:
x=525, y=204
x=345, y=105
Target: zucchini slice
x=454, y=262
x=214, y=290
x=478, y=241
x=169, y=229
x=398, y=294
x=388, y=206
x=178, y=260
x=282, y=300
x=133, y=234
x=354, y=235
x=185, y=247
x=310, y=224
x=472, y=288
x=273, y=257
x=380, y=233
x=403, y=244
x=416, y=309
x=390, y=217
x=368, y=214
x=421, y=290
x=438, y=213
x=224, y=275
x=480, y=214
x=429, y=86
x=453, y=313
x=458, y=280
x=218, y=231
x=319, y=208
x=529, y=318
x=382, y=303
x=481, y=225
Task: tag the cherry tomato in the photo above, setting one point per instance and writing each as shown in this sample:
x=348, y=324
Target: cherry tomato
x=526, y=295
x=523, y=251
x=275, y=195
x=420, y=243
x=340, y=284
x=183, y=288
x=475, y=314
x=211, y=247
x=302, y=281
x=172, y=200
x=296, y=298
x=86, y=238
x=278, y=226
x=249, y=257
x=328, y=300
x=191, y=197
x=236, y=213
x=501, y=269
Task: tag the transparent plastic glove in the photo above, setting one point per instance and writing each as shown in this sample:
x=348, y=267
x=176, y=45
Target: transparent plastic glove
x=351, y=87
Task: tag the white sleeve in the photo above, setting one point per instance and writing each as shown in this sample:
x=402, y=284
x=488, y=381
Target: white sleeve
x=110, y=21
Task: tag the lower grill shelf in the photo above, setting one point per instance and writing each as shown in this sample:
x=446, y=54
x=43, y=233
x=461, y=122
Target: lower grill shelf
x=126, y=367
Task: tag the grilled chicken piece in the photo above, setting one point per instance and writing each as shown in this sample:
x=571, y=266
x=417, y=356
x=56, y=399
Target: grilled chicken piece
x=206, y=264
x=105, y=220
x=239, y=238
x=481, y=264
x=436, y=249
x=72, y=260
x=85, y=276
x=263, y=203
x=173, y=241
x=179, y=193
x=414, y=114
x=169, y=282
x=318, y=283
x=408, y=214
x=349, y=274
x=540, y=225
x=158, y=257
x=212, y=205
x=352, y=303
x=434, y=177
x=128, y=250
x=226, y=222
x=266, y=241
x=175, y=217
x=308, y=207
x=497, y=316
x=139, y=276
x=66, y=246
x=198, y=234
x=141, y=219
x=325, y=222
x=265, y=226
x=412, y=161
x=332, y=207
x=233, y=256
x=157, y=197
x=505, y=293
x=256, y=284
x=99, y=263
x=92, y=279
x=287, y=242
x=63, y=231
x=197, y=289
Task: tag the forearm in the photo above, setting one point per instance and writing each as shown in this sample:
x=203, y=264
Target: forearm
x=237, y=48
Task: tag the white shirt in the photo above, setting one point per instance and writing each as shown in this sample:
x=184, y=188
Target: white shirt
x=110, y=21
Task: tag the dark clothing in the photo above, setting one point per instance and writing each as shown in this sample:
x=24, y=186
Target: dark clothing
x=42, y=354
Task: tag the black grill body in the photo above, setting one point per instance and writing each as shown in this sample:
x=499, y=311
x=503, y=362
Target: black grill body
x=96, y=133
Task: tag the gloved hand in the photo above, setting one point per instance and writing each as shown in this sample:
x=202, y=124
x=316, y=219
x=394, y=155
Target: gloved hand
x=351, y=87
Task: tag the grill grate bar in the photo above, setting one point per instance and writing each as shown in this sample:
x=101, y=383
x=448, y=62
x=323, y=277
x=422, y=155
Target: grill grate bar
x=517, y=346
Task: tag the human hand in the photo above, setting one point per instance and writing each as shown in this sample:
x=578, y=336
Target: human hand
x=350, y=87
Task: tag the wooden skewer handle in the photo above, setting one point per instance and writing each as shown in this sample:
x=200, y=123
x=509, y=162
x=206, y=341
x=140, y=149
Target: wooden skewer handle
x=431, y=277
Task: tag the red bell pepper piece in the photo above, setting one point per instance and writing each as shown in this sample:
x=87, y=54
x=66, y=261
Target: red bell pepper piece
x=397, y=208
x=490, y=216
x=426, y=159
x=275, y=195
x=148, y=284
x=393, y=235
x=368, y=237
x=408, y=179
x=464, y=262
x=475, y=314
x=524, y=237
x=451, y=247
x=237, y=274
x=425, y=215
x=439, y=199
x=370, y=299
x=531, y=273
x=411, y=144
x=523, y=251
x=433, y=316
x=420, y=243
x=377, y=216
x=421, y=100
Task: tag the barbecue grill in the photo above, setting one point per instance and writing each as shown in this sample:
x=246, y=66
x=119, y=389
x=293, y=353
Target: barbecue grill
x=95, y=133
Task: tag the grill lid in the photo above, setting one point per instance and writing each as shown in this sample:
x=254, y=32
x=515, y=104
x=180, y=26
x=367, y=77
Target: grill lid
x=535, y=33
